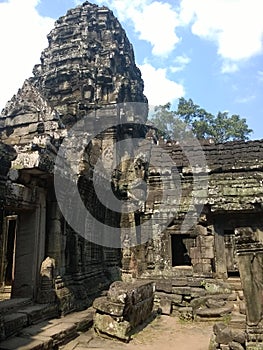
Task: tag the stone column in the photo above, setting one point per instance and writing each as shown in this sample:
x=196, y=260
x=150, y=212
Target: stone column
x=250, y=261
x=220, y=256
x=56, y=238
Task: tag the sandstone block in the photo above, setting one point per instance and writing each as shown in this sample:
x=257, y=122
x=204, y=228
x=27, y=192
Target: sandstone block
x=163, y=286
x=132, y=293
x=108, y=325
x=166, y=306
x=215, y=312
x=212, y=303
x=224, y=336
x=108, y=307
x=182, y=290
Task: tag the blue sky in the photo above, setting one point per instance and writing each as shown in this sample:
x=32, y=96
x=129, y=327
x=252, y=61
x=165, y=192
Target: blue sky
x=207, y=50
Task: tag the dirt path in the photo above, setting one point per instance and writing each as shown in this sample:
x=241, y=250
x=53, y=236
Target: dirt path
x=164, y=333
x=167, y=333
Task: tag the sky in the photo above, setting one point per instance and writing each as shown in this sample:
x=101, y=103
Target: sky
x=208, y=50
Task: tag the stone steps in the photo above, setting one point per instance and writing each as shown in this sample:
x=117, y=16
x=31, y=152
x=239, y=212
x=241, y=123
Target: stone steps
x=49, y=334
x=24, y=315
x=235, y=283
x=11, y=305
x=236, y=287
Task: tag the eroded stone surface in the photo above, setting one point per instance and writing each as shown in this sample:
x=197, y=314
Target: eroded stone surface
x=129, y=305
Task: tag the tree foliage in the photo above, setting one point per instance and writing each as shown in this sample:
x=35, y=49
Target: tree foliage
x=190, y=117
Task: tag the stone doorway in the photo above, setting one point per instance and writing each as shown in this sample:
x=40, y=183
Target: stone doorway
x=180, y=248
x=8, y=255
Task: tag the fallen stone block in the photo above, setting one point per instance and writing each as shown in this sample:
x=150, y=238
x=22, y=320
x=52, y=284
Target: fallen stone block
x=215, y=312
x=106, y=324
x=126, y=306
x=166, y=306
x=106, y=306
x=130, y=292
x=223, y=333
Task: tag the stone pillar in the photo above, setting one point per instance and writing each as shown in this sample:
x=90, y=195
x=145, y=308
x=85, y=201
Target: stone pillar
x=56, y=240
x=220, y=256
x=250, y=261
x=128, y=236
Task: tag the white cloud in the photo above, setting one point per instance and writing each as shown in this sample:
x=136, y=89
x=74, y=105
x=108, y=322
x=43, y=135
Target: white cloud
x=158, y=88
x=156, y=24
x=245, y=99
x=235, y=25
x=154, y=21
x=23, y=38
x=180, y=63
x=229, y=67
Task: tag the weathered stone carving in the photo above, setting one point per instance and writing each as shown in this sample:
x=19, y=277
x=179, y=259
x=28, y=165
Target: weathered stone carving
x=46, y=293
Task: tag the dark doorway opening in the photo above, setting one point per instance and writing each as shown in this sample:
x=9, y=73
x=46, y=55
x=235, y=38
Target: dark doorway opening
x=180, y=255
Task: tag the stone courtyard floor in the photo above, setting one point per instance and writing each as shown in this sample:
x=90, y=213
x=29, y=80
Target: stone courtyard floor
x=163, y=333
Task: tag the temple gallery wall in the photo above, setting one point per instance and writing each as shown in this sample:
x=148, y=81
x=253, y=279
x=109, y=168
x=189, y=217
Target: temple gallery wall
x=197, y=223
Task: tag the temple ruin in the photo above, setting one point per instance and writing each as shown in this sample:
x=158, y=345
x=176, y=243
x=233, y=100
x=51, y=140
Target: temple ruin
x=196, y=232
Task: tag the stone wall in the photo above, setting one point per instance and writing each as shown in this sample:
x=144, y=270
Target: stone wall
x=233, y=174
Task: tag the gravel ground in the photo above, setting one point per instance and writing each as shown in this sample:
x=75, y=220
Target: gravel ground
x=163, y=333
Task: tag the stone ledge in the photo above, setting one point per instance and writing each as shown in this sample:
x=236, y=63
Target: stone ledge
x=37, y=313
x=13, y=323
x=21, y=343
x=6, y=306
x=50, y=334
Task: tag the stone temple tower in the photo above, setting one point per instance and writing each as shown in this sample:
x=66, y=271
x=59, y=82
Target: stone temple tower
x=88, y=64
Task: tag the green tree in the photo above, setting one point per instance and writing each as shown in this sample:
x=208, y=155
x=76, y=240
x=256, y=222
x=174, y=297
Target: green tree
x=167, y=122
x=204, y=125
